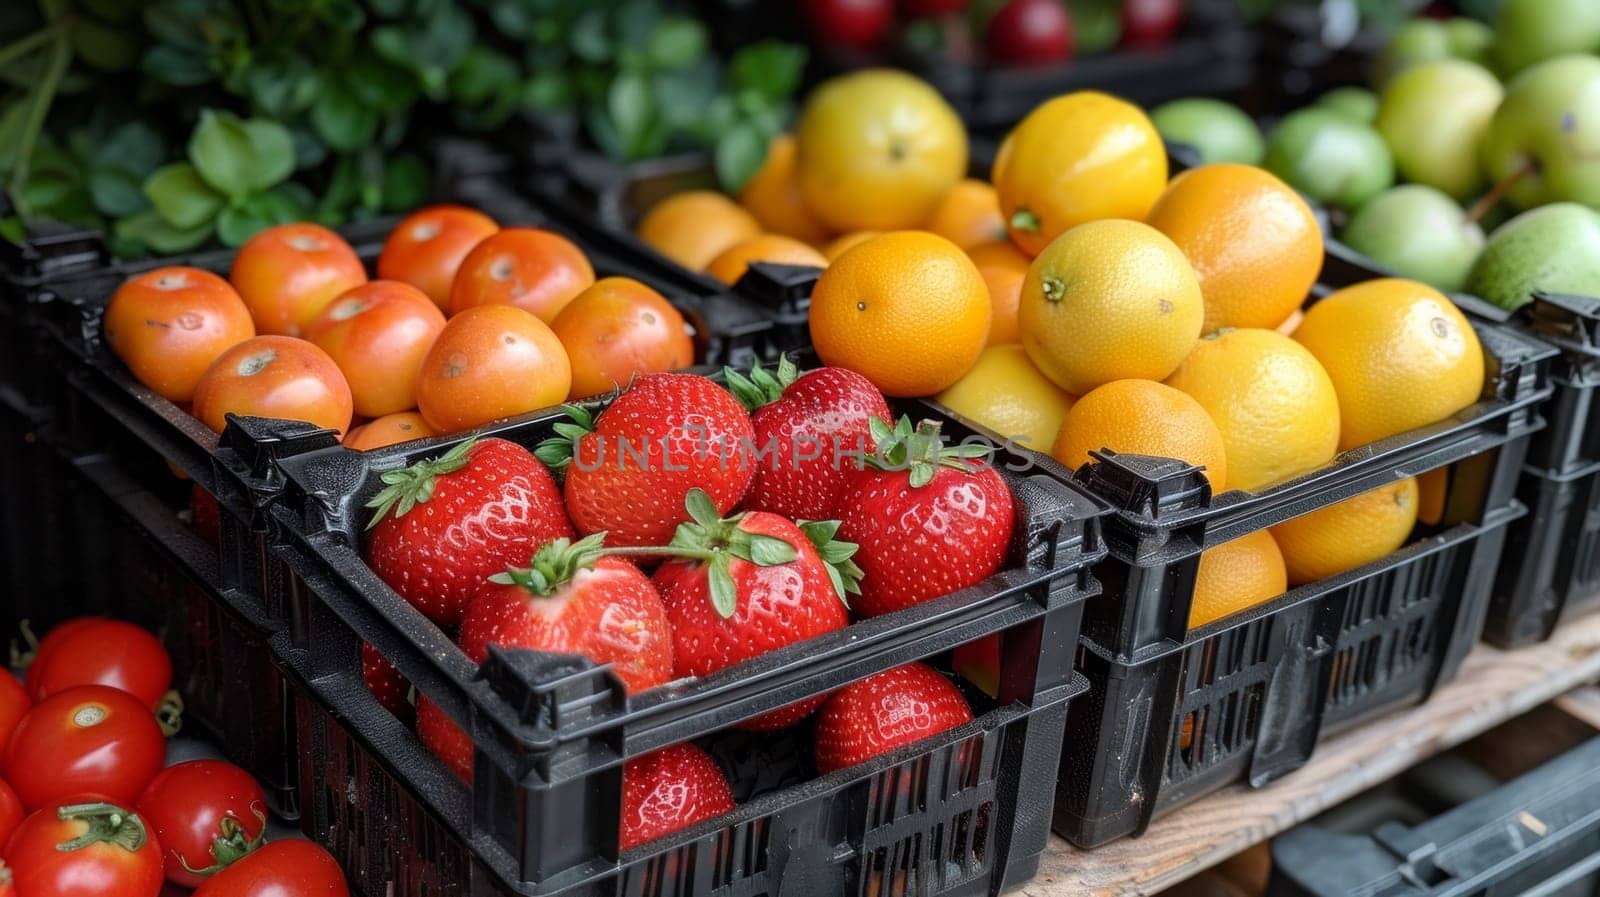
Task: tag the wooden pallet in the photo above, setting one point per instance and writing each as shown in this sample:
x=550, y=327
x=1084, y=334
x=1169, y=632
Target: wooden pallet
x=1493, y=686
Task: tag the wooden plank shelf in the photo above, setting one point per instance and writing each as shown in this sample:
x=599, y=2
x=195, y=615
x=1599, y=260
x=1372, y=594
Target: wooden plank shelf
x=1493, y=686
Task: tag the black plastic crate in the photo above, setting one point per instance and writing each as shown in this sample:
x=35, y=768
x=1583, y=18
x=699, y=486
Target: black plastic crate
x=1551, y=572
x=1538, y=834
x=1304, y=55
x=1175, y=714
x=964, y=814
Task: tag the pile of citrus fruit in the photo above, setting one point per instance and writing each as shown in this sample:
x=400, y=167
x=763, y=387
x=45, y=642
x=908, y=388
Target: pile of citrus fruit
x=467, y=322
x=1120, y=309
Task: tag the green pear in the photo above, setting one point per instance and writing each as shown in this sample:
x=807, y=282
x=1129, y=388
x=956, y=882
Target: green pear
x=1531, y=31
x=1358, y=103
x=1433, y=116
x=1417, y=232
x=1218, y=131
x=1330, y=158
x=1470, y=39
x=1424, y=40
x=1555, y=248
x=1544, y=140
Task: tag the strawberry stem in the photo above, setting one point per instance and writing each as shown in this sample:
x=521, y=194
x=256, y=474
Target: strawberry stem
x=408, y=487
x=761, y=387
x=558, y=451
x=919, y=450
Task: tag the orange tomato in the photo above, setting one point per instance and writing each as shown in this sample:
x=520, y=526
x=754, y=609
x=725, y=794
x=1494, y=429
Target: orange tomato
x=377, y=334
x=274, y=376
x=536, y=270
x=490, y=362
x=169, y=324
x=426, y=248
x=286, y=274
x=391, y=429
x=618, y=328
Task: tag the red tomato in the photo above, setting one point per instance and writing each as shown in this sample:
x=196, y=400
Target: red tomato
x=11, y=812
x=391, y=429
x=286, y=274
x=169, y=324
x=8, y=886
x=491, y=362
x=426, y=248
x=89, y=738
x=105, y=652
x=1148, y=23
x=536, y=270
x=862, y=24
x=281, y=869
x=274, y=376
x=377, y=334
x=1031, y=31
x=47, y=645
x=619, y=328
x=14, y=705
x=87, y=845
x=206, y=814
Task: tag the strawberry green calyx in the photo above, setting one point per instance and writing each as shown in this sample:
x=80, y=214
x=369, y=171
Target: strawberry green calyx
x=709, y=537
x=557, y=452
x=836, y=555
x=554, y=564
x=408, y=487
x=106, y=824
x=919, y=450
x=232, y=846
x=761, y=387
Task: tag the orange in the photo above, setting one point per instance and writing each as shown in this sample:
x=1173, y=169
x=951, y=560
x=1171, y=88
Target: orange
x=773, y=195
x=1079, y=157
x=1007, y=394
x=1109, y=300
x=837, y=246
x=776, y=248
x=968, y=215
x=1349, y=534
x=1142, y=417
x=1400, y=354
x=1272, y=401
x=1236, y=576
x=908, y=310
x=695, y=227
x=1253, y=242
x=1004, y=268
x=877, y=150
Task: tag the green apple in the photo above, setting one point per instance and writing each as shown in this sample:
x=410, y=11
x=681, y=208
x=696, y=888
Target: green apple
x=1424, y=40
x=1433, y=116
x=1218, y=131
x=1358, y=103
x=1531, y=31
x=1555, y=248
x=1330, y=158
x=1417, y=232
x=1546, y=134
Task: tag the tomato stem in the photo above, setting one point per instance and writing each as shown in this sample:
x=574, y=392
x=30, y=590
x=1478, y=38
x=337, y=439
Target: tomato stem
x=107, y=824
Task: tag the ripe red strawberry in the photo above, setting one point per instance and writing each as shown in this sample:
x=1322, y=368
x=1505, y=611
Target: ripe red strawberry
x=206, y=515
x=448, y=741
x=761, y=582
x=670, y=790
x=391, y=689
x=928, y=518
x=571, y=600
x=808, y=432
x=444, y=526
x=629, y=470
x=881, y=713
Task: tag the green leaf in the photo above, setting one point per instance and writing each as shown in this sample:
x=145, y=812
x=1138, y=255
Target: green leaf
x=309, y=150
x=548, y=90
x=100, y=46
x=236, y=224
x=588, y=38
x=389, y=9
x=342, y=121
x=675, y=42
x=481, y=75
x=177, y=67
x=739, y=155
x=238, y=158
x=724, y=597
x=683, y=97
x=405, y=183
x=770, y=551
x=770, y=68
x=115, y=191
x=150, y=229
x=11, y=228
x=182, y=198
x=135, y=146
x=379, y=83
x=631, y=108
x=702, y=509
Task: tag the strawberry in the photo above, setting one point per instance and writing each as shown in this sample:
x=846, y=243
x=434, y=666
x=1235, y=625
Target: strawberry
x=448, y=741
x=629, y=470
x=881, y=713
x=391, y=689
x=485, y=506
x=750, y=584
x=670, y=790
x=206, y=515
x=805, y=429
x=928, y=518
x=570, y=600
